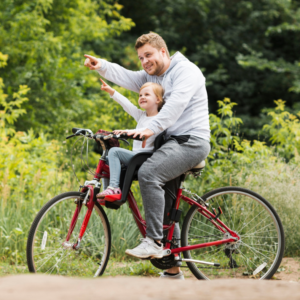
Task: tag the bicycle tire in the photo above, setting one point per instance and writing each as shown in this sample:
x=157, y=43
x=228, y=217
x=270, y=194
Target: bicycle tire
x=249, y=215
x=50, y=257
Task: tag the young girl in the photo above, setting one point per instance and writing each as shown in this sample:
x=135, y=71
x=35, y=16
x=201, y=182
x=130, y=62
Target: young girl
x=151, y=100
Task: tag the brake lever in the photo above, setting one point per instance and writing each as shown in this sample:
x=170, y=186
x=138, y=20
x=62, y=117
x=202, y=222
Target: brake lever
x=124, y=141
x=70, y=136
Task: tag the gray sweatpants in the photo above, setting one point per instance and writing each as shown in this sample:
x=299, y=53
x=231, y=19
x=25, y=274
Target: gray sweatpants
x=167, y=163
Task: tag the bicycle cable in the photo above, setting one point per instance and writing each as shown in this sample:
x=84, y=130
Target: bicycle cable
x=72, y=165
x=84, y=162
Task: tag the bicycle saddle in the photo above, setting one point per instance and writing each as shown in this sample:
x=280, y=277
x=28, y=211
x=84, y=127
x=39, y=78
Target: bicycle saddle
x=199, y=167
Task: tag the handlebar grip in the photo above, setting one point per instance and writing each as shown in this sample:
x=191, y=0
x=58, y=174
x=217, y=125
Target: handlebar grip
x=70, y=136
x=126, y=136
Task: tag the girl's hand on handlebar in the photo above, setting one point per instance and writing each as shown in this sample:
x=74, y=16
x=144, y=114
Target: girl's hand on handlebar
x=106, y=88
x=145, y=134
x=119, y=131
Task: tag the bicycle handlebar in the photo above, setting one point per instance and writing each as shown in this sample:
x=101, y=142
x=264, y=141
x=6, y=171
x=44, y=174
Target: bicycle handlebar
x=126, y=136
x=89, y=133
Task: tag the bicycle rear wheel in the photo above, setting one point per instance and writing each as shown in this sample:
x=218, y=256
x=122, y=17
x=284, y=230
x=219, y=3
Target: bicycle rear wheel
x=45, y=252
x=259, y=252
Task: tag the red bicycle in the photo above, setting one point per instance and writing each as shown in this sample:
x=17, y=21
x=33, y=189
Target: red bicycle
x=230, y=232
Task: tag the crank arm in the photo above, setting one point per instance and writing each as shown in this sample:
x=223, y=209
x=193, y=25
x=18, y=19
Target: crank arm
x=167, y=252
x=200, y=262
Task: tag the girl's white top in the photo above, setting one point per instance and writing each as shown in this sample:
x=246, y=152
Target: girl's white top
x=142, y=122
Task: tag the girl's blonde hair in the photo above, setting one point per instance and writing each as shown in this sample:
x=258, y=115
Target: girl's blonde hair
x=158, y=91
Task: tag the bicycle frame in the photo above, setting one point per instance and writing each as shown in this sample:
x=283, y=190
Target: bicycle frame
x=102, y=171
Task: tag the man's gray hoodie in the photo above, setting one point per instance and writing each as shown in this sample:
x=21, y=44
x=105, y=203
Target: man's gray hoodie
x=186, y=109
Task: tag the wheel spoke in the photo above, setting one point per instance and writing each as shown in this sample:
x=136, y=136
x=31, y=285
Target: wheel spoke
x=45, y=242
x=205, y=231
x=259, y=234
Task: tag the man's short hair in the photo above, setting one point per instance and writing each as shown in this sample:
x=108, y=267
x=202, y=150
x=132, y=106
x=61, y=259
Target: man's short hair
x=153, y=39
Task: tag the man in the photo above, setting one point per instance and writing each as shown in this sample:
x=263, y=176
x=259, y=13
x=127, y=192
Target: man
x=184, y=116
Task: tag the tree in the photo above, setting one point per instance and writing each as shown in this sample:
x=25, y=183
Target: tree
x=45, y=41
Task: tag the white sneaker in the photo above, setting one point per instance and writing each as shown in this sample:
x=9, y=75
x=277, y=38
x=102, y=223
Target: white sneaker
x=146, y=249
x=179, y=276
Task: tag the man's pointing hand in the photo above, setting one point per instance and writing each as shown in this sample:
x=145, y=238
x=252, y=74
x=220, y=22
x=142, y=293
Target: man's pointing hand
x=92, y=62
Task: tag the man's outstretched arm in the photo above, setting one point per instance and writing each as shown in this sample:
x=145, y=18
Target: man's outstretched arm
x=131, y=80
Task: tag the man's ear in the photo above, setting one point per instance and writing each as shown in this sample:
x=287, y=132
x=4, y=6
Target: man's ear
x=163, y=51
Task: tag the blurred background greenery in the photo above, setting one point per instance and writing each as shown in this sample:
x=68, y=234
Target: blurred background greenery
x=247, y=50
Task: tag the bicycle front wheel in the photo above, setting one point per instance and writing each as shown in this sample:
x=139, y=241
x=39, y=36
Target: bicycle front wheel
x=45, y=251
x=256, y=255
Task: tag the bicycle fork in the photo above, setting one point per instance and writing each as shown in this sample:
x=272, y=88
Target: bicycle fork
x=89, y=203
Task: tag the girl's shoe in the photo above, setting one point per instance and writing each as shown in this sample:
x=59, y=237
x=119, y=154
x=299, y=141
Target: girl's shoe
x=177, y=276
x=109, y=192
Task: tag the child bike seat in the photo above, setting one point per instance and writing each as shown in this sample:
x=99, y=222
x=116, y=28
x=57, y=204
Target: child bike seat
x=130, y=175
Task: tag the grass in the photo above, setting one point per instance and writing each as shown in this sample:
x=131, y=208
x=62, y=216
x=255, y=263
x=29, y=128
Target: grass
x=114, y=268
x=131, y=268
x=279, y=184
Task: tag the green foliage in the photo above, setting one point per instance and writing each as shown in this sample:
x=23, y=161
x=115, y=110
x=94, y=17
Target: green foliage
x=222, y=127
x=19, y=149
x=45, y=41
x=28, y=172
x=12, y=109
x=284, y=130
x=228, y=149
x=288, y=15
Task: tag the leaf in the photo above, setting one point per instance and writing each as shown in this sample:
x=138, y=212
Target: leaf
x=18, y=231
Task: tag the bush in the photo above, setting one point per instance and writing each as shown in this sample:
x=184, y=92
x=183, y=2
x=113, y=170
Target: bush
x=28, y=174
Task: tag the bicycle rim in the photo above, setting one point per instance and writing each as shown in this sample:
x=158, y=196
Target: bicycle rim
x=45, y=252
x=258, y=253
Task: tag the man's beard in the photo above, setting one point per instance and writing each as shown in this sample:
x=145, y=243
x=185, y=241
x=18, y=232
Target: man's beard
x=159, y=67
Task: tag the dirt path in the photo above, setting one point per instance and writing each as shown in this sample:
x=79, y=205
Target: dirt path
x=43, y=287
x=285, y=286
x=289, y=270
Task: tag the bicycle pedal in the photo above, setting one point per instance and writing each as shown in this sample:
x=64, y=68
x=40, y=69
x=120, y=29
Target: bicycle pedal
x=112, y=198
